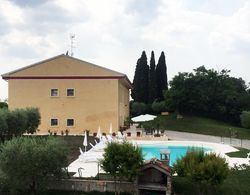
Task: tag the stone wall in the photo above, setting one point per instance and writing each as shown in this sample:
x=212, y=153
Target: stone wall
x=92, y=185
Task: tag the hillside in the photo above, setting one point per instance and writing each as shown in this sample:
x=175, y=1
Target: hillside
x=199, y=125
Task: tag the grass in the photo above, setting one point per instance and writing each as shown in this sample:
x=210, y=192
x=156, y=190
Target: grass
x=73, y=143
x=237, y=182
x=242, y=153
x=199, y=125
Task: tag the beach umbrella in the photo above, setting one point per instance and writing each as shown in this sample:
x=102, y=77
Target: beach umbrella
x=110, y=129
x=99, y=134
x=85, y=141
x=143, y=118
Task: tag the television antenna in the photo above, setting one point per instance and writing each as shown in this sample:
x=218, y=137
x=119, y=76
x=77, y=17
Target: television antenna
x=72, y=42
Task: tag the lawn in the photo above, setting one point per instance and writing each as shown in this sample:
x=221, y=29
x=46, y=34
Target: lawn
x=242, y=153
x=199, y=125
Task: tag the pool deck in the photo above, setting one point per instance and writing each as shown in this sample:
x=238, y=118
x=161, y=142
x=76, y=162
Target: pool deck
x=90, y=169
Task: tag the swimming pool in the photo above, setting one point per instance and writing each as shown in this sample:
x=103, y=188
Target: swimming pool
x=151, y=151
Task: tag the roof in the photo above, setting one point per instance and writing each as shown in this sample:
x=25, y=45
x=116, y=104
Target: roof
x=155, y=163
x=119, y=75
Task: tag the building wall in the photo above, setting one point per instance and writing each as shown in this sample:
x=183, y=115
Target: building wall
x=123, y=103
x=95, y=102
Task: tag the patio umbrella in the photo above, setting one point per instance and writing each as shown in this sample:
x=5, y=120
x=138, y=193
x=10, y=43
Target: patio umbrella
x=110, y=129
x=142, y=118
x=99, y=134
x=85, y=142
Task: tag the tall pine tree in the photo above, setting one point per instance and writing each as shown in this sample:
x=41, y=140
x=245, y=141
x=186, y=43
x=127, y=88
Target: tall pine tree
x=140, y=83
x=161, y=77
x=152, y=80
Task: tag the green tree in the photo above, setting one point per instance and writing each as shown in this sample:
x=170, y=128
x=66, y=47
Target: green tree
x=158, y=107
x=138, y=108
x=3, y=124
x=245, y=119
x=27, y=163
x=33, y=120
x=208, y=93
x=152, y=80
x=3, y=105
x=206, y=170
x=140, y=82
x=122, y=160
x=161, y=76
x=17, y=122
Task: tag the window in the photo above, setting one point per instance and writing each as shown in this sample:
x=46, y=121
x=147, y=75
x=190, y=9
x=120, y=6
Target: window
x=70, y=92
x=54, y=122
x=70, y=122
x=54, y=92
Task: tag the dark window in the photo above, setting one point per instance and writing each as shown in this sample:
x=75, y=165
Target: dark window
x=70, y=122
x=70, y=92
x=54, y=122
x=54, y=92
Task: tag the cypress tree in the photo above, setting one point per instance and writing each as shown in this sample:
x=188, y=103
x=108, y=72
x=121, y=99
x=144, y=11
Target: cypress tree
x=140, y=82
x=161, y=77
x=152, y=80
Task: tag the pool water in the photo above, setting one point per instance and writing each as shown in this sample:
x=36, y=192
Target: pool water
x=153, y=151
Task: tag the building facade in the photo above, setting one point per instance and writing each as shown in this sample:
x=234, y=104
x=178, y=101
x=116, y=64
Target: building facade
x=71, y=94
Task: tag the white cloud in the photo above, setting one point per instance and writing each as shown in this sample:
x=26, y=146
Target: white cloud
x=113, y=33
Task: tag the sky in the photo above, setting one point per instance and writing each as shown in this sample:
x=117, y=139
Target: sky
x=113, y=33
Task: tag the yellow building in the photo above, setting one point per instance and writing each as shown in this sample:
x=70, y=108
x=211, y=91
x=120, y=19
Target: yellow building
x=71, y=94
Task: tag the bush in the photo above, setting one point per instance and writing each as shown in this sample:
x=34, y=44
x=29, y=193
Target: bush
x=245, y=119
x=158, y=107
x=138, y=108
x=202, y=169
x=27, y=163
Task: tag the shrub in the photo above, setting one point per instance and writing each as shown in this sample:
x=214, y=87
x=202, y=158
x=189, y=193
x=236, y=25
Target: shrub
x=245, y=119
x=138, y=108
x=202, y=169
x=28, y=162
x=158, y=107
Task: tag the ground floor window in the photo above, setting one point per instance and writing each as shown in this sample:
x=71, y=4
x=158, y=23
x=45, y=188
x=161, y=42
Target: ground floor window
x=54, y=122
x=70, y=122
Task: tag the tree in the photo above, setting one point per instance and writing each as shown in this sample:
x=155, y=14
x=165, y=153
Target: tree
x=203, y=169
x=138, y=108
x=3, y=105
x=140, y=82
x=152, y=80
x=209, y=93
x=17, y=122
x=122, y=160
x=3, y=124
x=245, y=119
x=27, y=163
x=161, y=76
x=33, y=120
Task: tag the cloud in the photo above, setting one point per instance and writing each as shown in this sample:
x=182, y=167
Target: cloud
x=113, y=33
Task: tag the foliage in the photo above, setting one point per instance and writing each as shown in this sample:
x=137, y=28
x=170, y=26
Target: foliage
x=161, y=76
x=158, y=107
x=152, y=96
x=237, y=182
x=140, y=82
x=122, y=160
x=208, y=93
x=245, y=119
x=149, y=83
x=28, y=162
x=19, y=121
x=138, y=108
x=3, y=105
x=201, y=168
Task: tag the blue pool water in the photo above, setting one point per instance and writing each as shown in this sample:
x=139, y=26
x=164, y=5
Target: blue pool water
x=151, y=151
